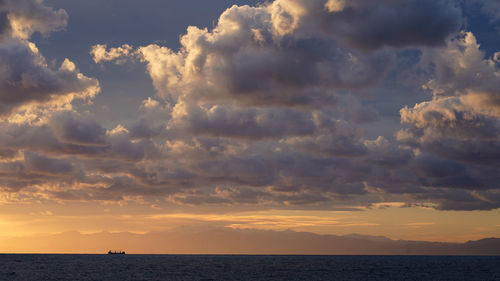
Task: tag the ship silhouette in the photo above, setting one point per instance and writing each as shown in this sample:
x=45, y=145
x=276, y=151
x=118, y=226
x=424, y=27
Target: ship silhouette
x=116, y=252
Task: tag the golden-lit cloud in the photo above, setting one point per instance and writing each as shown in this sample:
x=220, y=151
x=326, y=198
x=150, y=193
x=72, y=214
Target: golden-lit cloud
x=254, y=112
x=100, y=54
x=276, y=112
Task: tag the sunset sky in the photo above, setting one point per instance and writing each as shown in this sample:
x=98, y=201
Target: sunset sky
x=323, y=116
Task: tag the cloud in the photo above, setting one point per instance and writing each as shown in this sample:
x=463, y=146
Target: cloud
x=27, y=80
x=274, y=55
x=462, y=120
x=228, y=121
x=73, y=128
x=100, y=54
x=247, y=60
x=461, y=68
x=491, y=8
x=22, y=18
x=253, y=81
x=369, y=24
x=381, y=152
x=67, y=139
x=38, y=136
x=57, y=161
x=341, y=140
x=258, y=105
x=270, y=108
x=41, y=164
x=457, y=132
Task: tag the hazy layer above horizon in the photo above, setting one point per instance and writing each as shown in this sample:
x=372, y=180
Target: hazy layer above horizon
x=223, y=241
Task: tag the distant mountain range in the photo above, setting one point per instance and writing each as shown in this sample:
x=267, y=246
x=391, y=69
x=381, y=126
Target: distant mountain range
x=231, y=241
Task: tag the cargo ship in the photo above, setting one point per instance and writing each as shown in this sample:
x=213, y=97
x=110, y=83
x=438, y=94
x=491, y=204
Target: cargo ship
x=116, y=252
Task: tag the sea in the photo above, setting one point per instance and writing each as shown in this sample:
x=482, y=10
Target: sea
x=241, y=267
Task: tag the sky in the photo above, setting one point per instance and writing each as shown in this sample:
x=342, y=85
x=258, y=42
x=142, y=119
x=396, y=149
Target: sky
x=322, y=116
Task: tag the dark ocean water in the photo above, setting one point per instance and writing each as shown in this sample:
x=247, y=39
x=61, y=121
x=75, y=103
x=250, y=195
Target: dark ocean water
x=194, y=267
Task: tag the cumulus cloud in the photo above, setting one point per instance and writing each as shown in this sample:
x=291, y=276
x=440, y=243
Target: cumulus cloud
x=71, y=157
x=298, y=73
x=457, y=132
x=73, y=128
x=249, y=78
x=27, y=80
x=262, y=58
x=71, y=133
x=369, y=24
x=258, y=104
x=461, y=68
x=22, y=18
x=268, y=108
x=464, y=112
x=341, y=140
x=227, y=121
x=101, y=54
